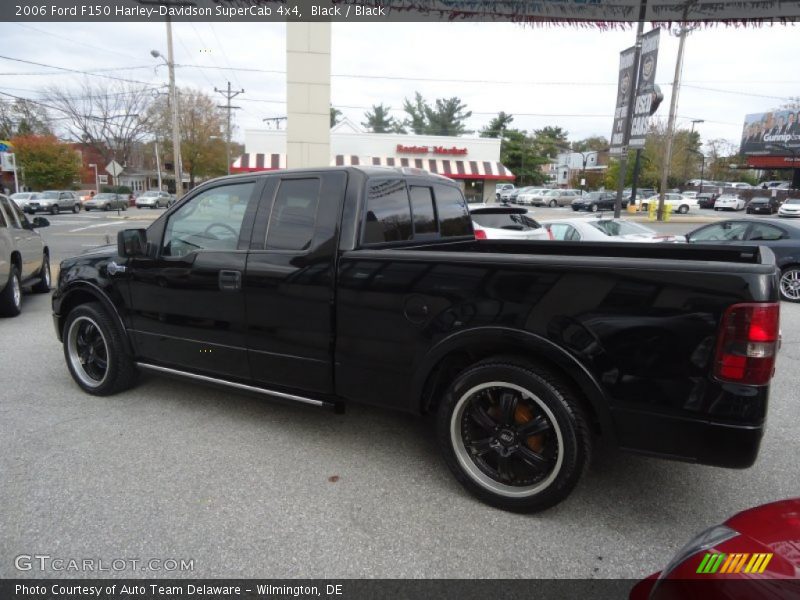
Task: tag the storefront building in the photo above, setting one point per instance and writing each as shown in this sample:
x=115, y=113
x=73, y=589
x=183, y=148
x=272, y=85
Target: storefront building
x=472, y=161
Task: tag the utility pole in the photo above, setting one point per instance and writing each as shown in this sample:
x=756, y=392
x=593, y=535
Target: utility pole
x=229, y=95
x=673, y=106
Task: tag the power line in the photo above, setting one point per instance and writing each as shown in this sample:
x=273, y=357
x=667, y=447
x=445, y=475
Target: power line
x=73, y=40
x=224, y=54
x=30, y=62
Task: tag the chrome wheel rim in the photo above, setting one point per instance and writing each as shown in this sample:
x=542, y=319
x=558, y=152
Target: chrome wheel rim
x=47, y=271
x=87, y=350
x=505, y=455
x=790, y=284
x=16, y=290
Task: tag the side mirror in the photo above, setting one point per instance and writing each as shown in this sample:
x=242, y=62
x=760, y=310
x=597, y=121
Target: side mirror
x=131, y=242
x=39, y=222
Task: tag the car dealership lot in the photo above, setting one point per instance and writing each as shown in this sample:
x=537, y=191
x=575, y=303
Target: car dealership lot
x=246, y=487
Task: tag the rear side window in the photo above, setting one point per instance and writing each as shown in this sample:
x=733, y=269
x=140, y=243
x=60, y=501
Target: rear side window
x=3, y=222
x=423, y=211
x=454, y=217
x=512, y=221
x=9, y=213
x=294, y=215
x=388, y=217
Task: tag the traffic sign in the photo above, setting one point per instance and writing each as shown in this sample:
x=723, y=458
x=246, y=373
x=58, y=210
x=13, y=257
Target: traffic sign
x=114, y=168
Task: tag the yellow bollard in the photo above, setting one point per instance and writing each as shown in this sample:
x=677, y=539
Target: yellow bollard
x=652, y=211
x=667, y=211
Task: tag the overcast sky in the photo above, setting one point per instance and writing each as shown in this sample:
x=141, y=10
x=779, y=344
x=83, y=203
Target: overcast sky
x=556, y=75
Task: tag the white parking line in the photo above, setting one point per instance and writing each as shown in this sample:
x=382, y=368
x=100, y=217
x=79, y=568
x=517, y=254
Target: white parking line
x=108, y=224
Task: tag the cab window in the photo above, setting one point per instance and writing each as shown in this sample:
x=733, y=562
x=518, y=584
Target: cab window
x=388, y=212
x=212, y=220
x=762, y=231
x=294, y=215
x=728, y=231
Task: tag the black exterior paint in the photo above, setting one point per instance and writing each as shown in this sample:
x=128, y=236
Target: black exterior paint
x=633, y=326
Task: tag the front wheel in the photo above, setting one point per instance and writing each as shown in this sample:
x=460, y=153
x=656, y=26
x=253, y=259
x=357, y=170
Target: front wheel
x=553, y=204
x=54, y=209
x=11, y=295
x=76, y=208
x=513, y=435
x=683, y=209
x=95, y=352
x=593, y=208
x=790, y=284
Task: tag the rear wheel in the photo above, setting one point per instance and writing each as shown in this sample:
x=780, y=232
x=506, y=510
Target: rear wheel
x=553, y=204
x=11, y=295
x=593, y=208
x=683, y=209
x=44, y=276
x=76, y=208
x=95, y=352
x=54, y=209
x=790, y=283
x=513, y=435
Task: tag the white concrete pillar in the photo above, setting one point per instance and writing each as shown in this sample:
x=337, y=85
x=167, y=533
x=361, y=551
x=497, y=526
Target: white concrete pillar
x=308, y=94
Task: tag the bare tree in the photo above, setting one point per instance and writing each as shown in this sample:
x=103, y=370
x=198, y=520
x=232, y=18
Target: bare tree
x=110, y=116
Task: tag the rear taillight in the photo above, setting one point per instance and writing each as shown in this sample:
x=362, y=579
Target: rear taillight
x=480, y=234
x=748, y=342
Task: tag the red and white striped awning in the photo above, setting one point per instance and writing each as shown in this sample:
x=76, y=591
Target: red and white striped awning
x=455, y=169
x=247, y=163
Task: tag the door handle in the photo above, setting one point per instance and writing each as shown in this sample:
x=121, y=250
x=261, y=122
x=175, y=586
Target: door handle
x=230, y=281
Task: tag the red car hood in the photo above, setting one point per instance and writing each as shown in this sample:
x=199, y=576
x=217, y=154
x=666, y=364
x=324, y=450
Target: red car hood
x=775, y=526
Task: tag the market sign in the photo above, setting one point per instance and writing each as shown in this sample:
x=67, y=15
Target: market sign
x=441, y=150
x=775, y=132
x=6, y=146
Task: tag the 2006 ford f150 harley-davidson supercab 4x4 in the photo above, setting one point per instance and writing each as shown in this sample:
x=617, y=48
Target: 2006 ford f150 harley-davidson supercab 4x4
x=366, y=284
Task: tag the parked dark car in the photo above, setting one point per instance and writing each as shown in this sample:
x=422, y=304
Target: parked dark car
x=752, y=555
x=762, y=205
x=594, y=201
x=24, y=257
x=707, y=199
x=781, y=237
x=341, y=285
x=106, y=201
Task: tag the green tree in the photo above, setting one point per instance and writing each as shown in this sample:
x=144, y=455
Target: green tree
x=595, y=143
x=378, y=120
x=46, y=162
x=202, y=133
x=497, y=126
x=336, y=116
x=446, y=117
x=518, y=152
x=550, y=140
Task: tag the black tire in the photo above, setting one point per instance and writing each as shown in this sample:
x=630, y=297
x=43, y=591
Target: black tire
x=54, y=209
x=683, y=209
x=107, y=207
x=11, y=295
x=593, y=208
x=76, y=208
x=99, y=364
x=43, y=287
x=495, y=469
x=124, y=207
x=553, y=204
x=790, y=283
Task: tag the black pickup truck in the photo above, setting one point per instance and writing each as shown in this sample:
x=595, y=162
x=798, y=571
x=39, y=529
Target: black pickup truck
x=342, y=285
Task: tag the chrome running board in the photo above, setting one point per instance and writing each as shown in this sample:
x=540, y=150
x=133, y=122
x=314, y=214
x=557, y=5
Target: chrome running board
x=241, y=386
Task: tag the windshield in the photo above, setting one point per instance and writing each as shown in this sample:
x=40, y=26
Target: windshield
x=515, y=222
x=104, y=197
x=616, y=228
x=759, y=200
x=149, y=195
x=793, y=201
x=47, y=196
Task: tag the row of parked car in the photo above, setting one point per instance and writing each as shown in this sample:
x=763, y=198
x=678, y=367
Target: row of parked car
x=56, y=201
x=516, y=223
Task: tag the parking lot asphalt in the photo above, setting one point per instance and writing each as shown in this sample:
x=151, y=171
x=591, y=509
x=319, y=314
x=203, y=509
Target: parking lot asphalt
x=249, y=488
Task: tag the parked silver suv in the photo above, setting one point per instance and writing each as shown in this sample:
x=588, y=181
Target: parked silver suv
x=24, y=257
x=53, y=201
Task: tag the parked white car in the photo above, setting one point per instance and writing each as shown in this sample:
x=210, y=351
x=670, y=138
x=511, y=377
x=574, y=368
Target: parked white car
x=505, y=223
x=690, y=194
x=679, y=203
x=729, y=202
x=526, y=198
x=790, y=208
x=502, y=187
x=740, y=185
x=603, y=230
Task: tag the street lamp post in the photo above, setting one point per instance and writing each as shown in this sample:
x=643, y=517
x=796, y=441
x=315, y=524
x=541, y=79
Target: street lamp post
x=795, y=168
x=96, y=179
x=176, y=136
x=702, y=167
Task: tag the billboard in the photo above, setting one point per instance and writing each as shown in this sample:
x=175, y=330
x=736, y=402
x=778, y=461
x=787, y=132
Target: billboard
x=624, y=83
x=771, y=132
x=645, y=86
